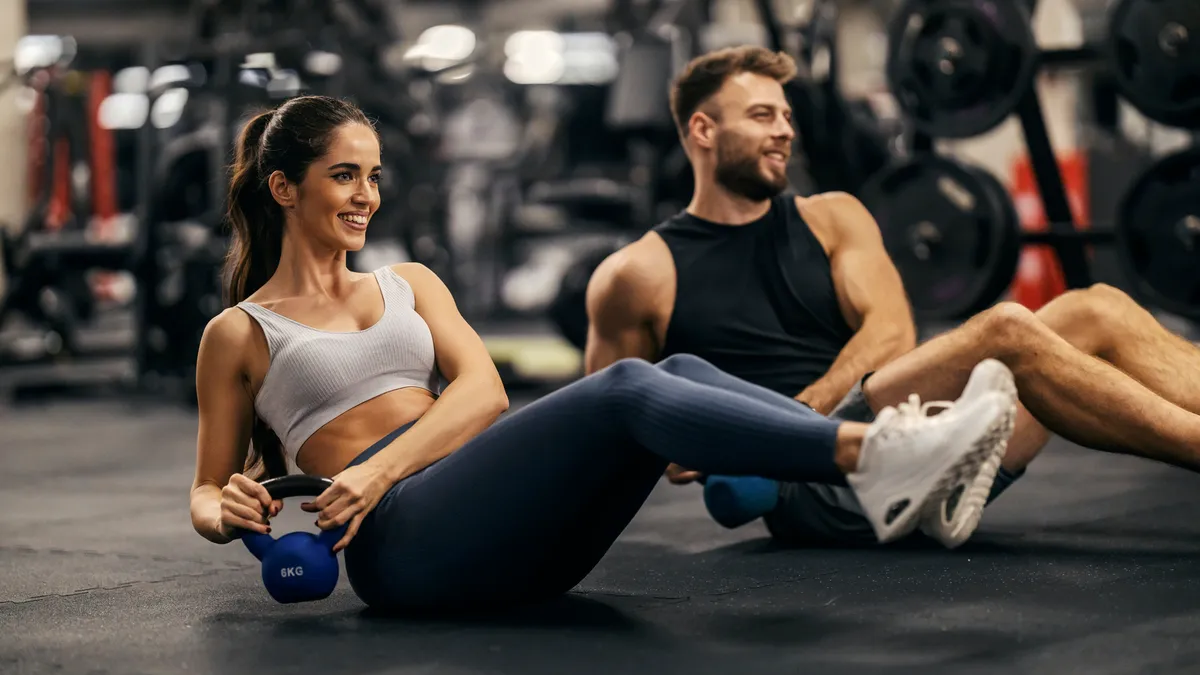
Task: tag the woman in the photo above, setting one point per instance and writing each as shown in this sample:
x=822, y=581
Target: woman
x=446, y=506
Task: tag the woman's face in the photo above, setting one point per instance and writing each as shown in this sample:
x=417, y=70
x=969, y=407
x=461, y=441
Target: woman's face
x=340, y=191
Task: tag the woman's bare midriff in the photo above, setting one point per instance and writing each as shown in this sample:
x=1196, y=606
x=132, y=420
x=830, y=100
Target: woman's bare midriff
x=333, y=446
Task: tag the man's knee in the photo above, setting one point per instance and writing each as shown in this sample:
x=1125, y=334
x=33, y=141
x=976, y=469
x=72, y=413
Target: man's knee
x=1109, y=303
x=1110, y=294
x=1006, y=328
x=1089, y=318
x=1095, y=301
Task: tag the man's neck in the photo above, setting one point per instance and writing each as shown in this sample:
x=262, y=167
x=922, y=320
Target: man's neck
x=716, y=204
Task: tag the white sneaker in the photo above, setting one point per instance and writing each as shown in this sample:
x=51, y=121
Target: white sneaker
x=953, y=520
x=910, y=460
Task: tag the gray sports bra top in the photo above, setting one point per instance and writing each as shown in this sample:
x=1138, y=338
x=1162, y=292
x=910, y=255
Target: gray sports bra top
x=316, y=375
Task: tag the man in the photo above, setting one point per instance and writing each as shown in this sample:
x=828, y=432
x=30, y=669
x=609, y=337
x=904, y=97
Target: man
x=798, y=295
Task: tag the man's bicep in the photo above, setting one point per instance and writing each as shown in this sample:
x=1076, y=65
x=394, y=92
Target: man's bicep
x=617, y=325
x=604, y=349
x=864, y=273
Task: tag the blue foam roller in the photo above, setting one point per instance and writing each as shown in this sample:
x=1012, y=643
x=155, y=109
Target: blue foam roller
x=734, y=501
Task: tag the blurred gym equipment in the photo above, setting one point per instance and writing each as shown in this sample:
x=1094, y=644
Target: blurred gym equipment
x=1158, y=232
x=842, y=142
x=958, y=68
x=1154, y=52
x=609, y=206
x=952, y=232
x=57, y=300
x=240, y=58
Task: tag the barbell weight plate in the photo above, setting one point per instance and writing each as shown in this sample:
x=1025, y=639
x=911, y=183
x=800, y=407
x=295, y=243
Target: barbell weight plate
x=958, y=67
x=1008, y=253
x=1158, y=234
x=950, y=230
x=1154, y=51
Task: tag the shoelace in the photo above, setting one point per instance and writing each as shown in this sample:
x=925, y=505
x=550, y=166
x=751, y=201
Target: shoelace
x=913, y=411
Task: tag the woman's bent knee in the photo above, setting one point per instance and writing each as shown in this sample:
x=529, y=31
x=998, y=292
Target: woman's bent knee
x=628, y=369
x=682, y=363
x=626, y=381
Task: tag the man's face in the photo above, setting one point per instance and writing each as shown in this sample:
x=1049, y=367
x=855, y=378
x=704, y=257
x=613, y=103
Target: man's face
x=754, y=136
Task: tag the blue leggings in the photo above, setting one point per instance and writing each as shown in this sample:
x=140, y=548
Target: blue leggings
x=526, y=509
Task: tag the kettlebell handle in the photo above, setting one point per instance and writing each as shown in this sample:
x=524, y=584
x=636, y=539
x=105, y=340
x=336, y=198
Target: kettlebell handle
x=283, y=487
x=296, y=485
x=299, y=485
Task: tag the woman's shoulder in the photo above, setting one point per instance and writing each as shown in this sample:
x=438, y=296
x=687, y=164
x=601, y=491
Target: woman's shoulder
x=416, y=274
x=405, y=270
x=232, y=329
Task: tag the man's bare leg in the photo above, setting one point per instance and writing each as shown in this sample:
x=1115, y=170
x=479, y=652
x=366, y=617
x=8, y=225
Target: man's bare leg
x=1104, y=322
x=1028, y=439
x=1075, y=395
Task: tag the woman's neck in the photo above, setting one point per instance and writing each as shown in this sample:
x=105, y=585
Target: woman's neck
x=308, y=270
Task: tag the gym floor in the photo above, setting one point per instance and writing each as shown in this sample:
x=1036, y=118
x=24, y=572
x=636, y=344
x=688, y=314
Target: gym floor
x=1090, y=564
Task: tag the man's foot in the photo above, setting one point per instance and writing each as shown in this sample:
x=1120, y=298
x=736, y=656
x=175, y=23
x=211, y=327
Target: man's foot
x=911, y=462
x=953, y=520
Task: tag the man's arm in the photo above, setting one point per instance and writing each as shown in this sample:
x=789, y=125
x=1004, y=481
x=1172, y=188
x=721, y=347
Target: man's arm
x=872, y=297
x=620, y=313
x=620, y=305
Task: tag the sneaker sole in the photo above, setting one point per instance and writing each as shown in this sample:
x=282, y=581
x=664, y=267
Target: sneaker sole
x=969, y=510
x=970, y=464
x=955, y=531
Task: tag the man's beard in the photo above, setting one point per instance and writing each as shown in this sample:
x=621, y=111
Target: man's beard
x=738, y=171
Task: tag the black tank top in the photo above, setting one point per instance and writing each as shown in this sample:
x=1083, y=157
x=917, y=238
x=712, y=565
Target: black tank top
x=755, y=300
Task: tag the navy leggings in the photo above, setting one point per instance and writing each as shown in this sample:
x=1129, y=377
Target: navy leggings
x=526, y=509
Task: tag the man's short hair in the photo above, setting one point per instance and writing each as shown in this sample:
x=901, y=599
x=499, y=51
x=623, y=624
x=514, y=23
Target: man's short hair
x=705, y=75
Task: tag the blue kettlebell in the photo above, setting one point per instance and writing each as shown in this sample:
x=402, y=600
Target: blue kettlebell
x=299, y=566
x=733, y=501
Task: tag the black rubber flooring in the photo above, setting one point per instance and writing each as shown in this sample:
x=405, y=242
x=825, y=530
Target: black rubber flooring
x=1091, y=564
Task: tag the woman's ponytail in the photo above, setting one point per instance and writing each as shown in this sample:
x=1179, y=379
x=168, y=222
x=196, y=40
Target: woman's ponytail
x=255, y=247
x=254, y=217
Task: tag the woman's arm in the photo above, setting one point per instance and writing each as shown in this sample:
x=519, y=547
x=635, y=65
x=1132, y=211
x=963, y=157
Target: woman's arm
x=474, y=398
x=226, y=418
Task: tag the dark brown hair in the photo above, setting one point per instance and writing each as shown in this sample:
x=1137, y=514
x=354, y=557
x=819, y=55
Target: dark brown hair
x=705, y=75
x=285, y=139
